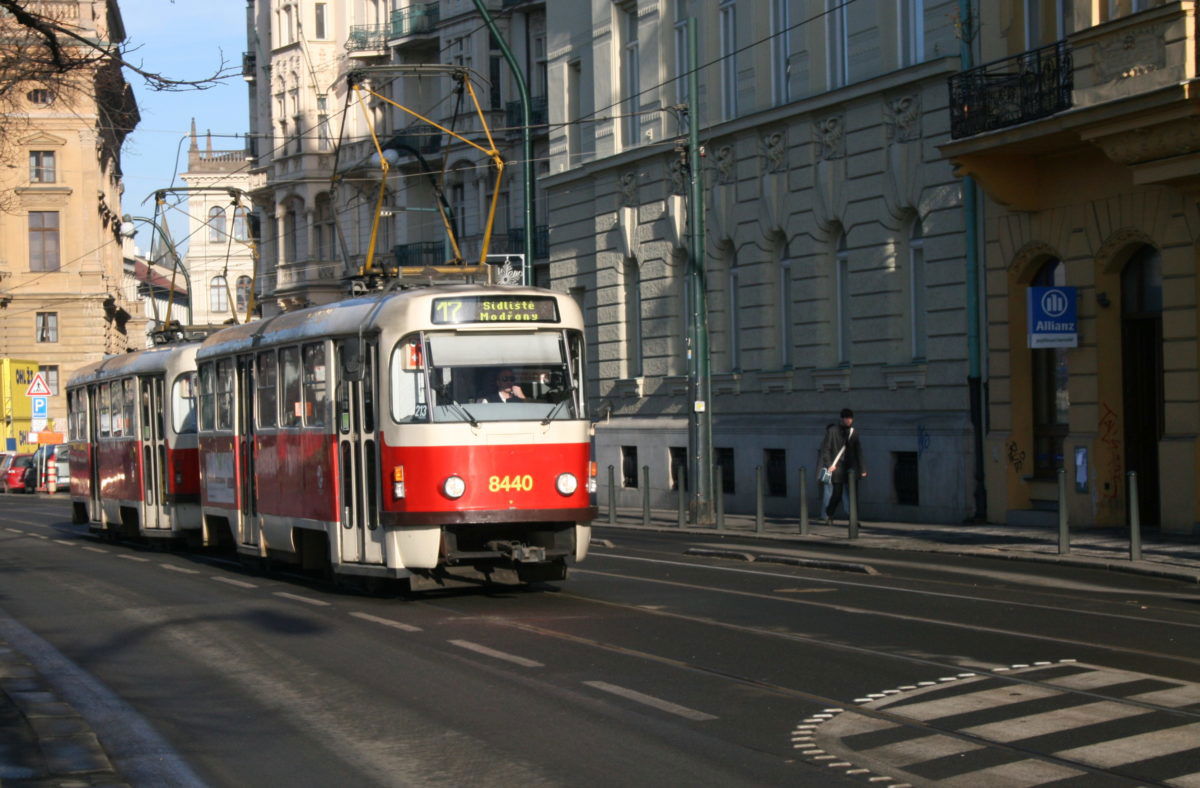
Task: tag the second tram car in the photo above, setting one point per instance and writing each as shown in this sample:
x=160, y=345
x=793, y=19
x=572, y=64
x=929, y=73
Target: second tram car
x=436, y=434
x=132, y=429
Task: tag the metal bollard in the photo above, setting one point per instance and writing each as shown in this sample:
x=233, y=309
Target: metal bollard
x=612, y=495
x=645, y=495
x=803, y=502
x=852, y=480
x=1064, y=532
x=719, y=497
x=758, y=499
x=1135, y=520
x=682, y=496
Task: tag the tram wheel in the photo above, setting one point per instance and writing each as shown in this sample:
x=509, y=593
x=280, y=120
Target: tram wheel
x=79, y=513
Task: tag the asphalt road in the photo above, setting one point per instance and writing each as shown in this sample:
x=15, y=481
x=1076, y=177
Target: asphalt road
x=649, y=665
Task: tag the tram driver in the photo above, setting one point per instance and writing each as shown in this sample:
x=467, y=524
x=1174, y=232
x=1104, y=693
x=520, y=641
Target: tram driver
x=505, y=388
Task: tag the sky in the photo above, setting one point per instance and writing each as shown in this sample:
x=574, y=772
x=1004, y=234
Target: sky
x=180, y=39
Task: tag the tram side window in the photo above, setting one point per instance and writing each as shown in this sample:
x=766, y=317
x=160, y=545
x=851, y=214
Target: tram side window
x=265, y=377
x=408, y=382
x=289, y=388
x=315, y=384
x=130, y=412
x=206, y=397
x=183, y=403
x=118, y=408
x=105, y=418
x=224, y=386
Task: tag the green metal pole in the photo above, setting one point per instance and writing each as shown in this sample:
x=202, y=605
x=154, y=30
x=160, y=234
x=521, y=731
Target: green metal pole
x=699, y=371
x=526, y=139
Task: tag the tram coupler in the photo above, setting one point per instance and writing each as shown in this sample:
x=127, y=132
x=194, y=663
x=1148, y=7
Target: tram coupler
x=521, y=553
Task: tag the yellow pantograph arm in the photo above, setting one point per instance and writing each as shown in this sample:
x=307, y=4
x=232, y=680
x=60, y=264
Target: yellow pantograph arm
x=368, y=266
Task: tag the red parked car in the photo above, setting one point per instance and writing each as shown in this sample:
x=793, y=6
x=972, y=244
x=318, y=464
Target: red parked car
x=18, y=474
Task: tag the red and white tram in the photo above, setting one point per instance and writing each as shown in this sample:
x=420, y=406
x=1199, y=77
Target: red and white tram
x=368, y=437
x=132, y=428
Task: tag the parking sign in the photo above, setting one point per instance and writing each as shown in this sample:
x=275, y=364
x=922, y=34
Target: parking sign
x=40, y=407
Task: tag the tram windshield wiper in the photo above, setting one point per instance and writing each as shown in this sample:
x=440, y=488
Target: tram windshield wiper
x=554, y=411
x=461, y=410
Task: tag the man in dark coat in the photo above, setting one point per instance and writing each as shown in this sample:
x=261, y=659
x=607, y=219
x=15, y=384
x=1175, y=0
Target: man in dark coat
x=838, y=436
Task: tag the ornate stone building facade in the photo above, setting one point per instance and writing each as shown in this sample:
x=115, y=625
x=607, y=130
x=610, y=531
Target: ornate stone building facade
x=834, y=249
x=62, y=299
x=1092, y=171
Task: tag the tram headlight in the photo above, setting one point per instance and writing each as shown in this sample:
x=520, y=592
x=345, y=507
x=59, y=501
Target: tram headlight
x=454, y=487
x=566, y=484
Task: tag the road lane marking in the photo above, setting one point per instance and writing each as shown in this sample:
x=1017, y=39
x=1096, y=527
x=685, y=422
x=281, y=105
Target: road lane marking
x=39, y=536
x=137, y=558
x=305, y=599
x=67, y=542
x=650, y=700
x=232, y=582
x=15, y=530
x=96, y=550
x=387, y=622
x=491, y=652
x=180, y=569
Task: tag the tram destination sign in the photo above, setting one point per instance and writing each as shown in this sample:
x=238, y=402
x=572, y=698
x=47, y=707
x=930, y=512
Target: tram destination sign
x=495, y=309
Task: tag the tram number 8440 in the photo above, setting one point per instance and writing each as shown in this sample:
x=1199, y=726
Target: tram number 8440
x=510, y=483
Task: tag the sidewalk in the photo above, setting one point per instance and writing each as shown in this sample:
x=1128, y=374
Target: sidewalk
x=1168, y=556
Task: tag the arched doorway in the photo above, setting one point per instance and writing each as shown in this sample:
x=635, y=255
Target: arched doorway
x=1142, y=374
x=1051, y=398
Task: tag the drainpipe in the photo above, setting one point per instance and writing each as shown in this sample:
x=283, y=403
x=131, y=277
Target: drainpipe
x=526, y=139
x=974, y=347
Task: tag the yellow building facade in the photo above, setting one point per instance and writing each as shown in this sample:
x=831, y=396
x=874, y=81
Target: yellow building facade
x=61, y=295
x=1082, y=131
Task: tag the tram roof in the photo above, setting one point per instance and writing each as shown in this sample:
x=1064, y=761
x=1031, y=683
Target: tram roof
x=364, y=314
x=141, y=362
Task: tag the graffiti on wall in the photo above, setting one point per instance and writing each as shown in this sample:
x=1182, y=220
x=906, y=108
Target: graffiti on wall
x=1016, y=457
x=1110, y=439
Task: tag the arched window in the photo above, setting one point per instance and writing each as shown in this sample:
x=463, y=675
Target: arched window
x=216, y=224
x=916, y=290
x=733, y=318
x=784, y=314
x=633, y=319
x=241, y=230
x=218, y=295
x=243, y=293
x=1051, y=396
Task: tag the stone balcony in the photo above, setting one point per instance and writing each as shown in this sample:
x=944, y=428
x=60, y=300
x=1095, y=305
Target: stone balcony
x=1128, y=87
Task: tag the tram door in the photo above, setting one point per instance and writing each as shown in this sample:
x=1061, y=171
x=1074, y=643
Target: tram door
x=358, y=463
x=248, y=500
x=154, y=453
x=93, y=431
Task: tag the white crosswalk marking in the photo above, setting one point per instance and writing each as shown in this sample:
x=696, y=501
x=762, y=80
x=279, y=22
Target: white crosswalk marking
x=925, y=748
x=1186, y=781
x=1021, y=774
x=1171, y=698
x=973, y=701
x=1094, y=679
x=1054, y=721
x=1131, y=749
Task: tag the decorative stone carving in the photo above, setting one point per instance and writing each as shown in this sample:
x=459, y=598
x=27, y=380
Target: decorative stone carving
x=1139, y=51
x=902, y=118
x=725, y=164
x=1174, y=138
x=628, y=187
x=677, y=175
x=774, y=151
x=1120, y=240
x=1034, y=251
x=830, y=136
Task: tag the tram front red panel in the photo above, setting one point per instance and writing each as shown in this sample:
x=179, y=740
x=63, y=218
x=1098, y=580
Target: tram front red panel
x=183, y=473
x=498, y=477
x=296, y=475
x=120, y=469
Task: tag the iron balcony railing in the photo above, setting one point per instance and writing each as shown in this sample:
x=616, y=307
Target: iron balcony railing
x=541, y=241
x=414, y=20
x=1031, y=85
x=420, y=253
x=538, y=112
x=368, y=37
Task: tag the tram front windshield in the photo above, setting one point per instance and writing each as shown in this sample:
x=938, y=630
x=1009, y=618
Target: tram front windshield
x=477, y=377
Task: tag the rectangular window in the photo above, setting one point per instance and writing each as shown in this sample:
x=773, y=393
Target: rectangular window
x=265, y=378
x=319, y=20
x=46, y=327
x=781, y=51
x=130, y=403
x=41, y=166
x=911, y=31
x=315, y=384
x=629, y=466
x=631, y=68
x=728, y=480
x=105, y=412
x=574, y=110
x=679, y=463
x=206, y=397
x=289, y=388
x=836, y=43
x=775, y=466
x=117, y=398
x=905, y=467
x=50, y=375
x=224, y=391
x=729, y=59
x=43, y=241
